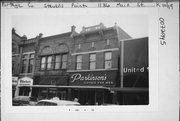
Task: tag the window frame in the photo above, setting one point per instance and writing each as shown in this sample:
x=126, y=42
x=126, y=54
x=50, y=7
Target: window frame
x=94, y=61
x=54, y=62
x=107, y=60
x=25, y=67
x=49, y=63
x=66, y=61
x=78, y=62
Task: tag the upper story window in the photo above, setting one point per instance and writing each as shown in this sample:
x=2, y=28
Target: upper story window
x=43, y=63
x=24, y=66
x=79, y=46
x=64, y=61
x=59, y=61
x=107, y=42
x=92, y=45
x=92, y=61
x=27, y=63
x=49, y=62
x=54, y=58
x=31, y=63
x=79, y=62
x=108, y=60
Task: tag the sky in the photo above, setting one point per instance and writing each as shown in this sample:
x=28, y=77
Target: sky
x=31, y=25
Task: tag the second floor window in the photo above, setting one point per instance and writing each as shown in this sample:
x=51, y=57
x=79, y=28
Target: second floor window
x=46, y=63
x=43, y=63
x=31, y=63
x=27, y=63
x=92, y=64
x=64, y=61
x=108, y=60
x=24, y=66
x=79, y=62
x=59, y=61
x=49, y=62
x=30, y=68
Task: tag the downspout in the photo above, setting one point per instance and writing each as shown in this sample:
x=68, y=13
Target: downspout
x=121, y=55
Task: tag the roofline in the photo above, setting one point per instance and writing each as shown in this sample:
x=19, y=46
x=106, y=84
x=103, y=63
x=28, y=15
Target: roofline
x=17, y=34
x=134, y=38
x=91, y=32
x=52, y=36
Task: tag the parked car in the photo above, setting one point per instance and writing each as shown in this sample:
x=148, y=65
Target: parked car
x=24, y=101
x=51, y=102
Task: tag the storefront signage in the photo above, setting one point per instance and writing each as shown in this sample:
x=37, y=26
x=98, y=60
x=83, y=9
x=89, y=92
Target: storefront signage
x=78, y=76
x=14, y=80
x=25, y=81
x=94, y=78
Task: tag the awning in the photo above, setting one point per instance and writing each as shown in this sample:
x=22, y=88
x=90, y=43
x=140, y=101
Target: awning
x=130, y=89
x=77, y=87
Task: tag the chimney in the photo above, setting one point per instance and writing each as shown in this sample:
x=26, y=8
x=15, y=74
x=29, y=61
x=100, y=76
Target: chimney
x=73, y=29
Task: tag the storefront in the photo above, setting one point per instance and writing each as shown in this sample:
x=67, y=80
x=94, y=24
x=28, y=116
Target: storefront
x=24, y=88
x=95, y=86
x=51, y=86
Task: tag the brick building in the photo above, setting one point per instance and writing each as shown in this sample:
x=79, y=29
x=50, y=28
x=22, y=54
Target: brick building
x=95, y=63
x=86, y=65
x=23, y=58
x=53, y=59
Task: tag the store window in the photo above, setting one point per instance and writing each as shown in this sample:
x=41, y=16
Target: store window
x=108, y=60
x=92, y=61
x=79, y=62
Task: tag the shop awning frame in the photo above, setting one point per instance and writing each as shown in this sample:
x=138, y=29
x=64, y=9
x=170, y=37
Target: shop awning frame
x=77, y=87
x=129, y=89
x=117, y=89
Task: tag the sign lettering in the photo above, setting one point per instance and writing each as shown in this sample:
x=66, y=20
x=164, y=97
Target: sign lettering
x=79, y=77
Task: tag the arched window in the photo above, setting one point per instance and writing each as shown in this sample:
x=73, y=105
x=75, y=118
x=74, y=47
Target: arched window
x=54, y=59
x=46, y=58
x=46, y=51
x=61, y=48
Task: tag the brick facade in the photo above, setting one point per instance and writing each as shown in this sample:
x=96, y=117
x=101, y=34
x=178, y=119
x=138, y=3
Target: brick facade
x=55, y=63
